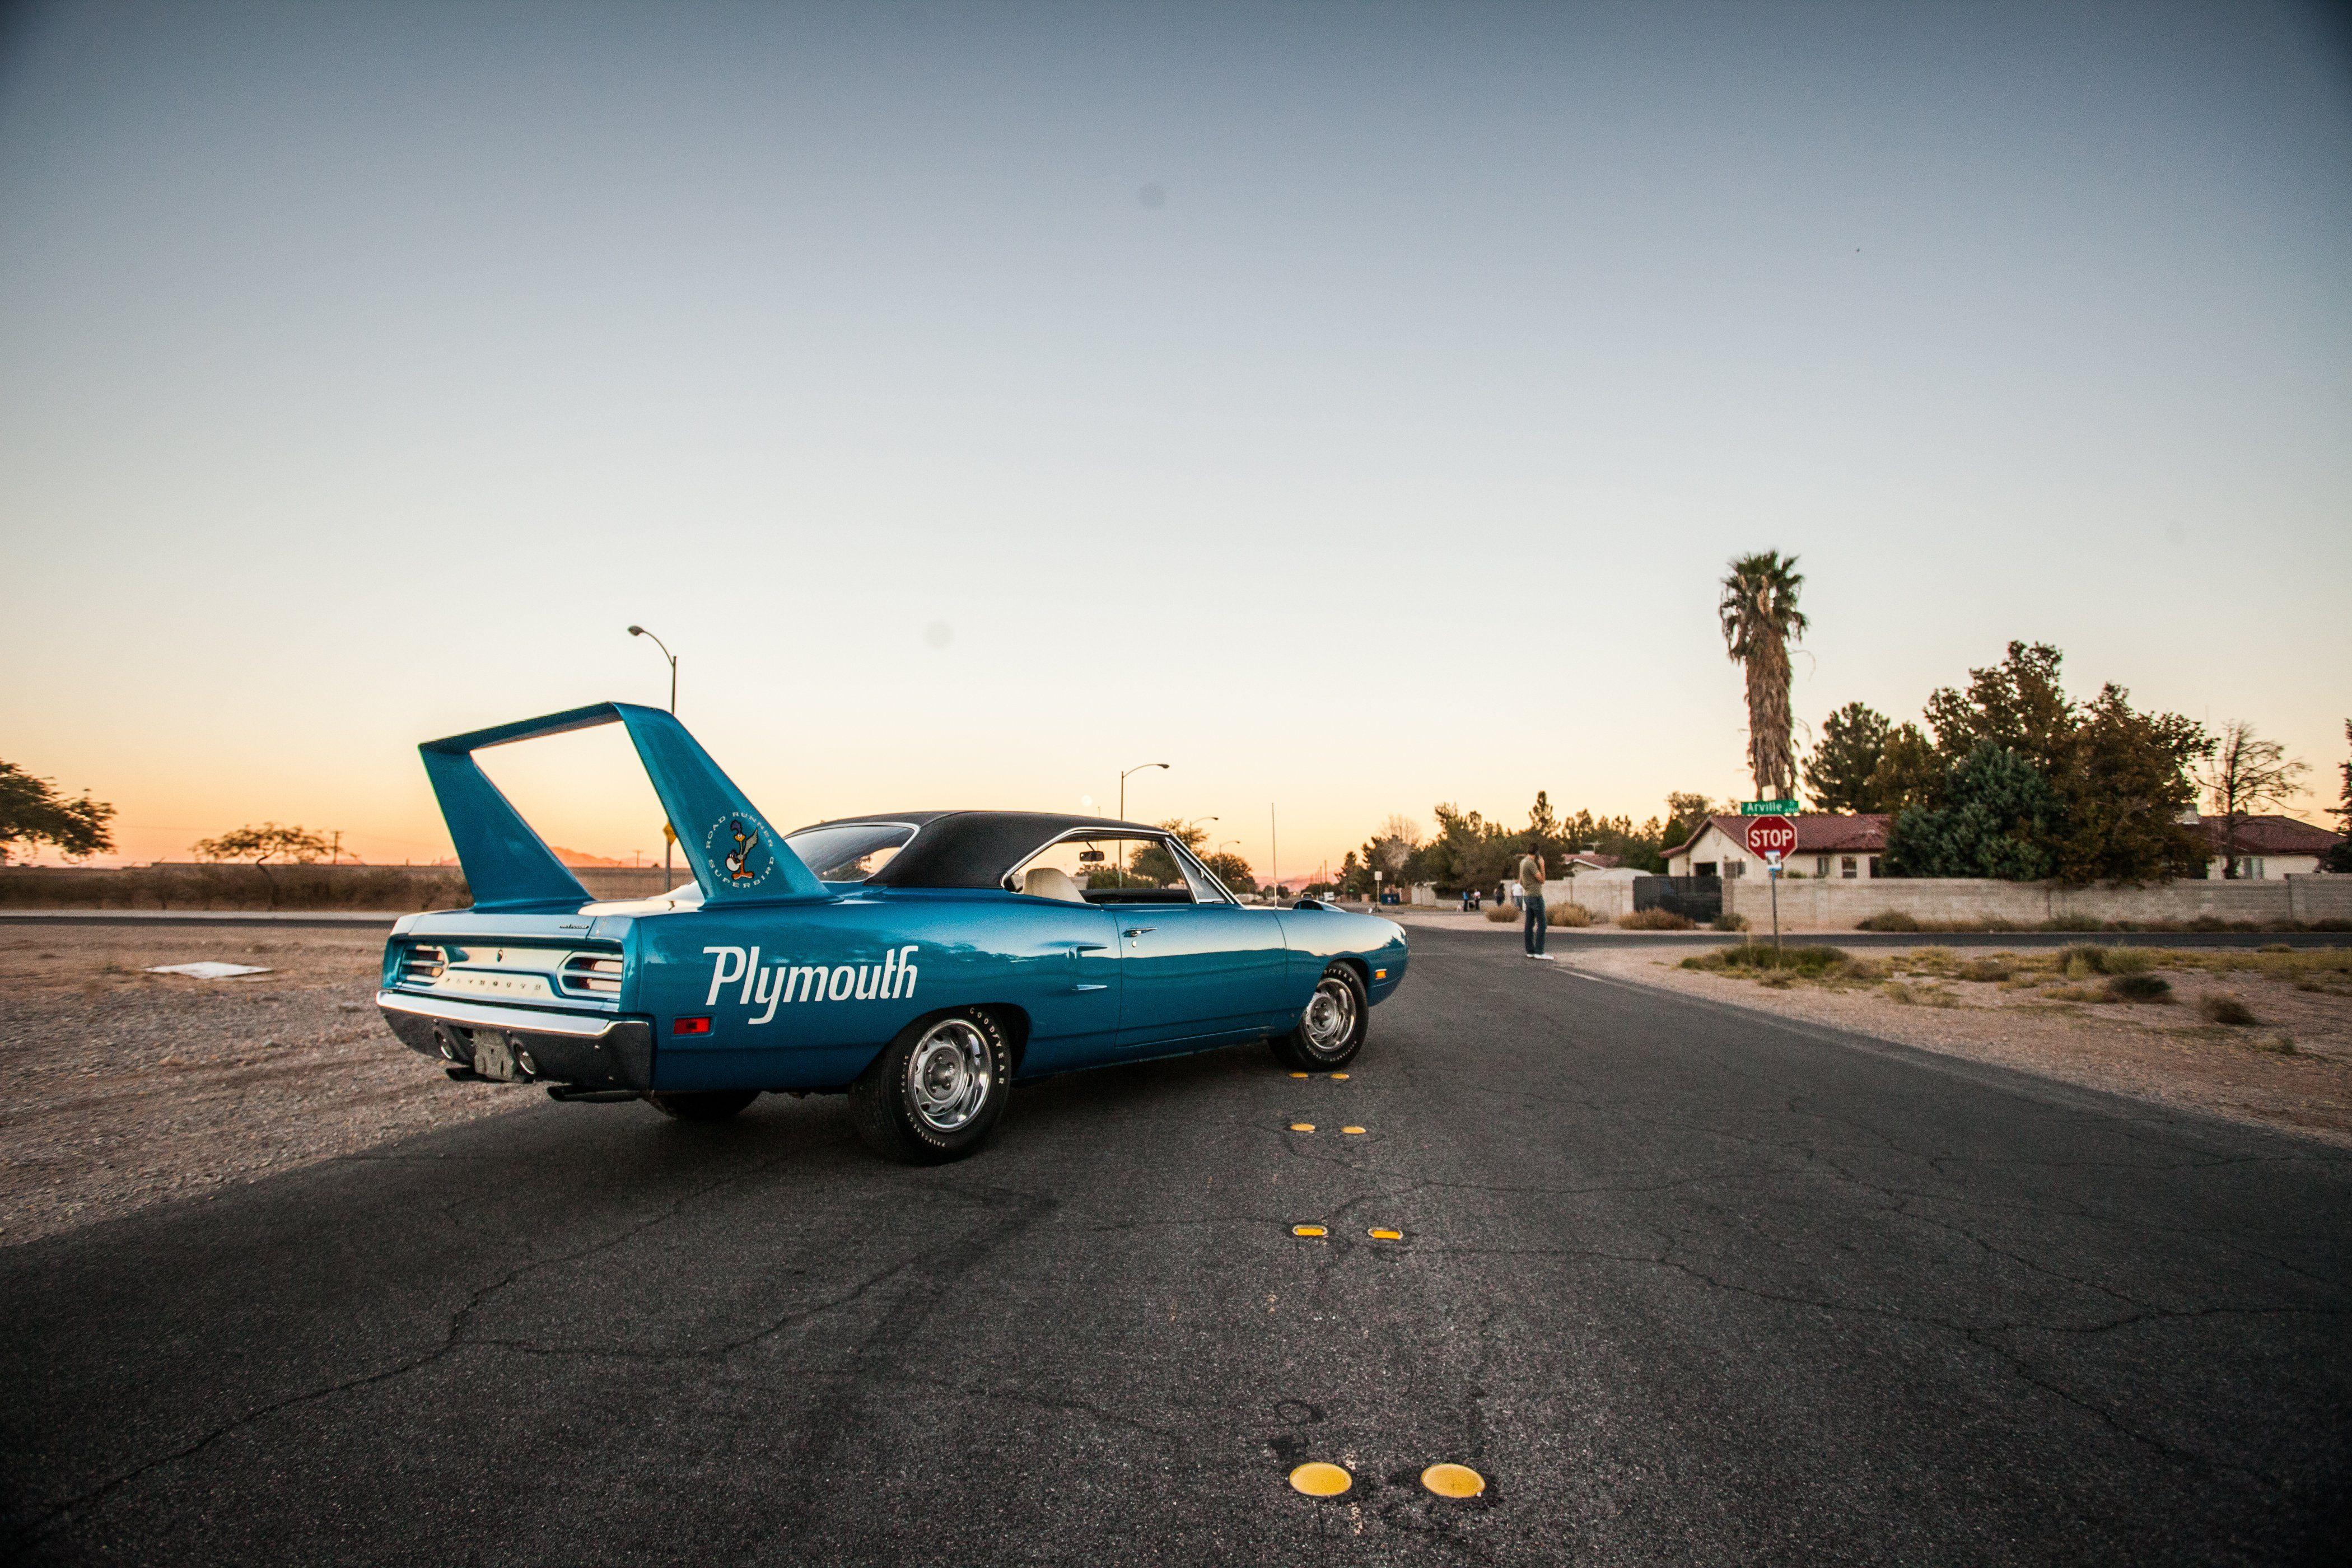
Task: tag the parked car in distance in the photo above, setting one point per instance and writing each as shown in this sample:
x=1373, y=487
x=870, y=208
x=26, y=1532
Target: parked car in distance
x=920, y=961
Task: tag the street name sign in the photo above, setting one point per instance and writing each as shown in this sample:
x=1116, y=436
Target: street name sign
x=1770, y=838
x=1768, y=808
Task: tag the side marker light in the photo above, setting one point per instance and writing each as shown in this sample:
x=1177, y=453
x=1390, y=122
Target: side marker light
x=690, y=1026
x=1379, y=974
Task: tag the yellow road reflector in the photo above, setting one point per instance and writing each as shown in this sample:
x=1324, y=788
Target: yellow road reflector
x=1378, y=1234
x=1319, y=1480
x=1454, y=1480
x=1351, y=1130
x=1309, y=1230
x=1339, y=1075
x=1299, y=1074
x=1302, y=1127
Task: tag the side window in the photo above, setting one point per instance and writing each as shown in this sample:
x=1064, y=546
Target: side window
x=1113, y=869
x=1206, y=889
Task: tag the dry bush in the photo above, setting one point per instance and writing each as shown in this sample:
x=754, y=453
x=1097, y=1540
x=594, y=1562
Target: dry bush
x=2223, y=1008
x=1567, y=915
x=1498, y=914
x=2139, y=987
x=1656, y=919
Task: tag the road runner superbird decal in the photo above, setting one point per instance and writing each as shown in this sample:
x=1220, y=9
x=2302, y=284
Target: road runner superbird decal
x=785, y=981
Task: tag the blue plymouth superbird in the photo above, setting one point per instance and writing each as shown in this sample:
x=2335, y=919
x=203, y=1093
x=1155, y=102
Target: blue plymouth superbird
x=918, y=960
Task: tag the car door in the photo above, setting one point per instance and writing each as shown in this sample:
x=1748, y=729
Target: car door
x=1196, y=965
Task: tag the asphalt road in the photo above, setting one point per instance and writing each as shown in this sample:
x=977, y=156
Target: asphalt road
x=1686, y=1285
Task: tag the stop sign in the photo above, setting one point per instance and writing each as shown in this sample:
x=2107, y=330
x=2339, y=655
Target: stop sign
x=1770, y=835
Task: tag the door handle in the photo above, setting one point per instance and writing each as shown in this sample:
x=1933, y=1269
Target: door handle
x=1138, y=931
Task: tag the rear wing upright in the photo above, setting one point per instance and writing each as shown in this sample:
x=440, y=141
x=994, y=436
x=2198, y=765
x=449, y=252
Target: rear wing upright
x=736, y=857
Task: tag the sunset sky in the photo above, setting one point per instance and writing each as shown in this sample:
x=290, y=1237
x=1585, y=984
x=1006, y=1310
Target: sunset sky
x=1352, y=405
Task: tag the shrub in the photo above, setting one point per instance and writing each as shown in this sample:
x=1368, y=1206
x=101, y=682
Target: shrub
x=2129, y=961
x=1985, y=969
x=2139, y=988
x=1498, y=914
x=1656, y=919
x=2224, y=1008
x=1565, y=914
x=1728, y=922
x=1890, y=919
x=2080, y=962
x=1809, y=961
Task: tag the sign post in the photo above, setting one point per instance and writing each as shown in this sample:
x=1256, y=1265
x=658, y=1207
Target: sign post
x=1770, y=838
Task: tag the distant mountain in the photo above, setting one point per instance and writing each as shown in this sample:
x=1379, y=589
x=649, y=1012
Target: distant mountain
x=569, y=857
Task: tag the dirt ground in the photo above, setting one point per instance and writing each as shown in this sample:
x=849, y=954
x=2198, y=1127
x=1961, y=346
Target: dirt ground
x=126, y=1089
x=2049, y=1012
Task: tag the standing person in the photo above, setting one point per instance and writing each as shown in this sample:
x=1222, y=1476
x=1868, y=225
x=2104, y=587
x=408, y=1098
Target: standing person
x=1531, y=881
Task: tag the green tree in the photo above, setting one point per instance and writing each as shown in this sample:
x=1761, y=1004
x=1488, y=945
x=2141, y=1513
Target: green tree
x=1994, y=821
x=1686, y=812
x=262, y=844
x=2018, y=703
x=2127, y=792
x=1232, y=870
x=1839, y=773
x=2247, y=773
x=2120, y=779
x=1910, y=771
x=2341, y=858
x=1547, y=835
x=1760, y=619
x=32, y=813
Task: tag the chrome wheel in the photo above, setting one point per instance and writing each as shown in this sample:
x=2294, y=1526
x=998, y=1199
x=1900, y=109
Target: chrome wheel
x=949, y=1075
x=1330, y=1021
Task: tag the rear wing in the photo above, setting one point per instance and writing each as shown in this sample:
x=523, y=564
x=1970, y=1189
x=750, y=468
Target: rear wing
x=736, y=858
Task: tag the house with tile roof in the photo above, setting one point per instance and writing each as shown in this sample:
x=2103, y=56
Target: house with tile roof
x=2266, y=847
x=1830, y=846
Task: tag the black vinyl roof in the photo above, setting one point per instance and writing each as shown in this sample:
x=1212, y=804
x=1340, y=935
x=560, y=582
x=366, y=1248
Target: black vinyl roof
x=972, y=849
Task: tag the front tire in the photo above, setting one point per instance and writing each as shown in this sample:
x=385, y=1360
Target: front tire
x=936, y=1091
x=1332, y=1029
x=702, y=1105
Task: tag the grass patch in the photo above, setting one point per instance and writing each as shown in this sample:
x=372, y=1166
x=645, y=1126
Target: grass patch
x=1728, y=922
x=1810, y=962
x=1919, y=995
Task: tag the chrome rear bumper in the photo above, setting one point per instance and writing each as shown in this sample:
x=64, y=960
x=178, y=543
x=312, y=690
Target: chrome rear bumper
x=562, y=1047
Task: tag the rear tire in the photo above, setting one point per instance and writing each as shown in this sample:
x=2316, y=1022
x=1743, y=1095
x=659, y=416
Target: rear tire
x=702, y=1105
x=1332, y=1029
x=935, y=1091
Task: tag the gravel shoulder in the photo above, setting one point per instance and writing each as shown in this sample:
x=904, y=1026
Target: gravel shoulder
x=128, y=1089
x=2291, y=1070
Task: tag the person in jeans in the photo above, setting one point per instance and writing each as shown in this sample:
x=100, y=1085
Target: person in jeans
x=1531, y=881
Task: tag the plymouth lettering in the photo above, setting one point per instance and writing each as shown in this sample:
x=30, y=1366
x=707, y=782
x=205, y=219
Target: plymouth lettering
x=772, y=985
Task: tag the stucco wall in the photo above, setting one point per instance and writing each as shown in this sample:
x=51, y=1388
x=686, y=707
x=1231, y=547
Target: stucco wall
x=1841, y=905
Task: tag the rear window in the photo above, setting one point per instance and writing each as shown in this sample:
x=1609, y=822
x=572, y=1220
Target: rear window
x=849, y=851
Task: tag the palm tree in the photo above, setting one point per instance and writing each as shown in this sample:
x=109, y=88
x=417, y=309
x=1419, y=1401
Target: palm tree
x=1759, y=620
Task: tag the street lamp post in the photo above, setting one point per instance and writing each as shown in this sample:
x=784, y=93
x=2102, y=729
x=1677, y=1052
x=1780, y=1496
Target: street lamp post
x=669, y=838
x=1122, y=805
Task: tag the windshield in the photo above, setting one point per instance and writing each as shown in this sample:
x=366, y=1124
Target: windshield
x=849, y=851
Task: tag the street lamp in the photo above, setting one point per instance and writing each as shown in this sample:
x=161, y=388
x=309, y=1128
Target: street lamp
x=641, y=632
x=669, y=832
x=1122, y=785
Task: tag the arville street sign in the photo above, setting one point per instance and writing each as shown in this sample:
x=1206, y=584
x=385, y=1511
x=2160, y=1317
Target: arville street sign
x=1768, y=808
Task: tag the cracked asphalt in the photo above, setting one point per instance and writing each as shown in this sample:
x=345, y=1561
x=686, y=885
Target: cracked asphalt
x=1685, y=1284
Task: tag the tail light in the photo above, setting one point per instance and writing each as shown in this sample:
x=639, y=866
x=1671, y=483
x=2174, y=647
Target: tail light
x=599, y=974
x=424, y=963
